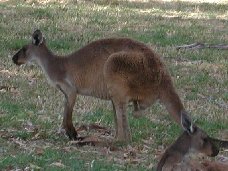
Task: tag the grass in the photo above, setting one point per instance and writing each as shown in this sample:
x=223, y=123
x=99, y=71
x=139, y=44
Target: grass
x=29, y=122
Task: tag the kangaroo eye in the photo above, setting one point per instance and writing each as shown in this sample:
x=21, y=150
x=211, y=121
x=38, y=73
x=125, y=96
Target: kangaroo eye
x=205, y=140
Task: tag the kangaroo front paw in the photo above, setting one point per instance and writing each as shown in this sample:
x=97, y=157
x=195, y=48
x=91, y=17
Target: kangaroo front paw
x=71, y=133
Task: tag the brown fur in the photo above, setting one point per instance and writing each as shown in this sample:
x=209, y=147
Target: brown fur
x=175, y=154
x=214, y=166
x=194, y=165
x=198, y=141
x=117, y=69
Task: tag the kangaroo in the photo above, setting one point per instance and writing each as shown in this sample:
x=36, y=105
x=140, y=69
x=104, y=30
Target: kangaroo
x=193, y=139
x=214, y=166
x=118, y=69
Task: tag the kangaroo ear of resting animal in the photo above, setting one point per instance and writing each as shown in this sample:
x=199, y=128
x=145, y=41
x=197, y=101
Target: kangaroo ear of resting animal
x=193, y=139
x=186, y=123
x=37, y=38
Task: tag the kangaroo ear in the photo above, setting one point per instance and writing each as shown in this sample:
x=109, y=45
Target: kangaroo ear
x=37, y=38
x=187, y=123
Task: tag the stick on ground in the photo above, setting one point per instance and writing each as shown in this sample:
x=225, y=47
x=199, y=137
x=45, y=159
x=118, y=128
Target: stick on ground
x=198, y=45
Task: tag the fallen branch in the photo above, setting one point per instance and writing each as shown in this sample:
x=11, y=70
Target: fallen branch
x=93, y=127
x=218, y=46
x=94, y=141
x=191, y=46
x=201, y=46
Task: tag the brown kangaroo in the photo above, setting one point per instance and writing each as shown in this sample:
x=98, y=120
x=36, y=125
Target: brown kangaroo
x=193, y=139
x=214, y=166
x=117, y=69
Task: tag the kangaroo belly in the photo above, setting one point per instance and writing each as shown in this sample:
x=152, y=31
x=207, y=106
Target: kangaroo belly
x=95, y=88
x=95, y=93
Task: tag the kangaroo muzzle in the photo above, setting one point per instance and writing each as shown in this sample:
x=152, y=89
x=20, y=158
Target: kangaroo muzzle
x=215, y=152
x=215, y=149
x=15, y=59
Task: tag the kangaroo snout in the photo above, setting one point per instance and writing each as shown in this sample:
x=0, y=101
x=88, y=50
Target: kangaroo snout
x=215, y=152
x=214, y=149
x=15, y=59
x=19, y=57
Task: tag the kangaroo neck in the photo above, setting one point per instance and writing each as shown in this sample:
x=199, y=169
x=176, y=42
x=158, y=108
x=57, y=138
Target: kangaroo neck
x=183, y=144
x=45, y=58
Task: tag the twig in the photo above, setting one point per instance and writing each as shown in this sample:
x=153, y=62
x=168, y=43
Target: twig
x=191, y=46
x=94, y=141
x=93, y=127
x=201, y=46
x=219, y=46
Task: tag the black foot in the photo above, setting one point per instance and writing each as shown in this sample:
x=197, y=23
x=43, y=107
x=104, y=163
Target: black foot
x=72, y=134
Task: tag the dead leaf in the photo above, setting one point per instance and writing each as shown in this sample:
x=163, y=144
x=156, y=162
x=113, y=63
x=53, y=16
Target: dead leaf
x=39, y=151
x=150, y=166
x=95, y=127
x=30, y=127
x=224, y=134
x=3, y=133
x=89, y=140
x=33, y=167
x=13, y=90
x=18, y=142
x=58, y=164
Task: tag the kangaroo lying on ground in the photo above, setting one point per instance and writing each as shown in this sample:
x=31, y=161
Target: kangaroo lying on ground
x=214, y=166
x=117, y=69
x=193, y=139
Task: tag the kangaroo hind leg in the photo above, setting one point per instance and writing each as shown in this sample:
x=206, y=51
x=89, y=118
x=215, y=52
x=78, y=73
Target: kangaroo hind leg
x=122, y=127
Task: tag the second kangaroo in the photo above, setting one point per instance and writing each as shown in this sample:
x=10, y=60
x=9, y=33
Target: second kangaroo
x=118, y=69
x=193, y=139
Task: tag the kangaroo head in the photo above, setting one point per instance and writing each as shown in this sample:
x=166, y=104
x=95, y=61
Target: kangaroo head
x=28, y=52
x=200, y=141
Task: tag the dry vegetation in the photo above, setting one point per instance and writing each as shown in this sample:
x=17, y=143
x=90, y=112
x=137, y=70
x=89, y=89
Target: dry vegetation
x=30, y=110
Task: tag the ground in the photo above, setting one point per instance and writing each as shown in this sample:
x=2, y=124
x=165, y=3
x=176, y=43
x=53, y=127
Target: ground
x=30, y=109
